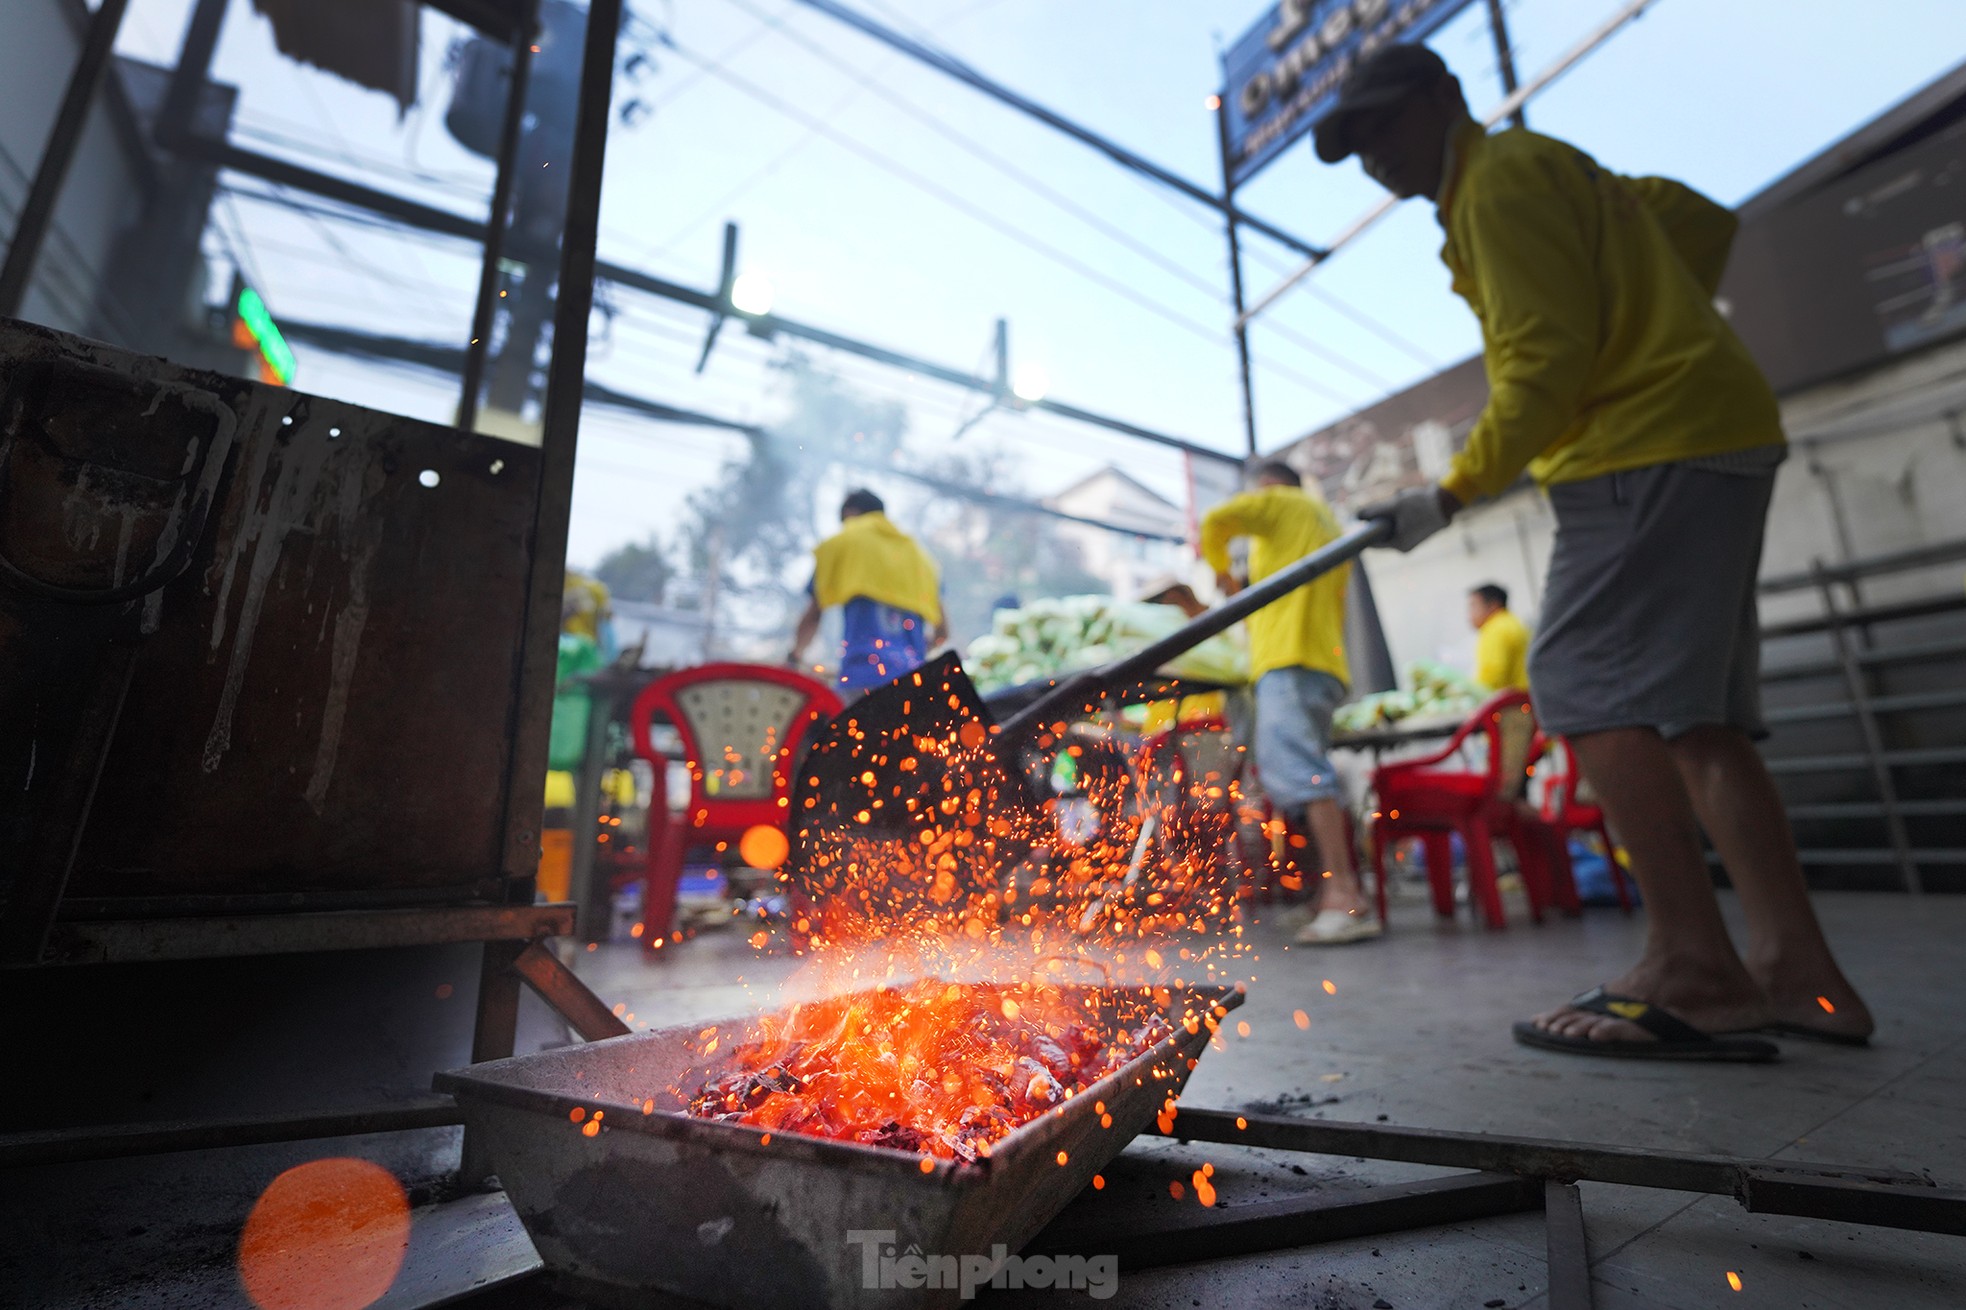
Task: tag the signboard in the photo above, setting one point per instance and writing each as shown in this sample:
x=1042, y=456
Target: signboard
x=1859, y=269
x=253, y=329
x=1283, y=74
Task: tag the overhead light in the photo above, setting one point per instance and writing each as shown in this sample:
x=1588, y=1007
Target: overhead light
x=751, y=293
x=1030, y=383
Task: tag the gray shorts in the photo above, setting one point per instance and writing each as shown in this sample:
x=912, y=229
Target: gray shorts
x=1649, y=615
x=1293, y=736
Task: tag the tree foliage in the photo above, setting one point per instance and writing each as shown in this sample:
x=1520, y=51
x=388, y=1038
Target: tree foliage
x=743, y=546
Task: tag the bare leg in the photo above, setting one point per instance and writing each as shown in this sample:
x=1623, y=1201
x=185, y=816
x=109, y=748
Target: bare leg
x=1689, y=966
x=1742, y=812
x=1329, y=826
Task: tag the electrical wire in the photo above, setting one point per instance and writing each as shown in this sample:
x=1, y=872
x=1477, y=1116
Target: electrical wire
x=660, y=35
x=976, y=149
x=939, y=125
x=954, y=201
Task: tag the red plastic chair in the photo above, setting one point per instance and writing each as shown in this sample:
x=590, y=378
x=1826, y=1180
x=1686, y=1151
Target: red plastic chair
x=1567, y=807
x=1179, y=766
x=741, y=725
x=1205, y=750
x=1414, y=798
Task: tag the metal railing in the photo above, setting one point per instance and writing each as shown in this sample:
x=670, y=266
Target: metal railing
x=1847, y=621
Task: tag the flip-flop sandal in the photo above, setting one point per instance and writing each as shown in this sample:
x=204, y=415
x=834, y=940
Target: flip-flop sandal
x=1808, y=1034
x=1677, y=1039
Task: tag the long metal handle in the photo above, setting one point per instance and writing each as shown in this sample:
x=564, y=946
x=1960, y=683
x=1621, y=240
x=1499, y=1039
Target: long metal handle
x=1313, y=566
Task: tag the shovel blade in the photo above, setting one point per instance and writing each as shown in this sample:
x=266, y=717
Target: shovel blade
x=902, y=803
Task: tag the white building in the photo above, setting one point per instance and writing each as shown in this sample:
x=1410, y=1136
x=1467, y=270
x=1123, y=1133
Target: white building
x=1125, y=563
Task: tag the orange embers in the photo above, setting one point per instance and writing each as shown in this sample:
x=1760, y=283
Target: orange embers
x=942, y=1069
x=923, y=844
x=325, y=1235
x=763, y=846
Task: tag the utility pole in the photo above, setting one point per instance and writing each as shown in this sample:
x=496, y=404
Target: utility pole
x=1498, y=26
x=1235, y=274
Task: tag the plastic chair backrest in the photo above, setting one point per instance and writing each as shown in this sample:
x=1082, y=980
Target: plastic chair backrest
x=741, y=726
x=1565, y=786
x=1209, y=748
x=1509, y=723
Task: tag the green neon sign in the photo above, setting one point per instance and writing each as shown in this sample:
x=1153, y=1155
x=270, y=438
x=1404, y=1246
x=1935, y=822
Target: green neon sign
x=273, y=347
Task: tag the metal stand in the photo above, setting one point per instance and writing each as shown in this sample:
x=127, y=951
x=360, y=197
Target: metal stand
x=507, y=965
x=1513, y=1175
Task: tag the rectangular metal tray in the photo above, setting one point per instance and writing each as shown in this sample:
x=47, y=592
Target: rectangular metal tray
x=662, y=1205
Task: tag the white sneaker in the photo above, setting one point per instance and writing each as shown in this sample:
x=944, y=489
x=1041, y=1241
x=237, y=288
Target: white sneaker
x=1337, y=927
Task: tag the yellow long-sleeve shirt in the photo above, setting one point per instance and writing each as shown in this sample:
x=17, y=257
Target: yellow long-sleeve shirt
x=1307, y=627
x=1599, y=336
x=1502, y=652
x=869, y=556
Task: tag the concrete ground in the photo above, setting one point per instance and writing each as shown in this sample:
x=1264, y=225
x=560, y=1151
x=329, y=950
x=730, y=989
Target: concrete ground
x=1416, y=1031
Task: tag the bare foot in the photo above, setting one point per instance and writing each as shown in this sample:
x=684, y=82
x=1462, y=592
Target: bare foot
x=1817, y=997
x=1714, y=1001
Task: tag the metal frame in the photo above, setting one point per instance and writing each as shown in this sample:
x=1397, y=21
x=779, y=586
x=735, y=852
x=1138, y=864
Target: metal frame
x=174, y=132
x=961, y=72
x=63, y=139
x=1514, y=1174
x=510, y=931
x=126, y=941
x=1186, y=1235
x=524, y=961
x=1888, y=1198
x=1854, y=657
x=478, y=350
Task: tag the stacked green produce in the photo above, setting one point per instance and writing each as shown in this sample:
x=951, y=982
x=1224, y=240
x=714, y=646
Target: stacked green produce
x=1437, y=692
x=1058, y=635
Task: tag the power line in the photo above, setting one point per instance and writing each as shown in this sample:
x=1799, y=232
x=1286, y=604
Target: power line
x=661, y=35
x=720, y=205
x=935, y=189
x=941, y=126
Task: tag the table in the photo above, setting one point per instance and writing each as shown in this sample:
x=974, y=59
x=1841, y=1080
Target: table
x=1402, y=734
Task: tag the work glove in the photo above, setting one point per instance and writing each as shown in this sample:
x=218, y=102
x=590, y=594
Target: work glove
x=1415, y=515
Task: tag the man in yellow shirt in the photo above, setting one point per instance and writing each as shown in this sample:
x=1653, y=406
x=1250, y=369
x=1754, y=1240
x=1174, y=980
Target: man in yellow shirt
x=888, y=591
x=1501, y=640
x=1620, y=388
x=1297, y=660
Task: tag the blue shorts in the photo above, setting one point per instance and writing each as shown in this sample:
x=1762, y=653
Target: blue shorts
x=879, y=643
x=1293, y=736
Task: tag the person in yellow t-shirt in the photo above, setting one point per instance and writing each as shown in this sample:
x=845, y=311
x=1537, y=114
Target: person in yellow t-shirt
x=1616, y=383
x=1297, y=661
x=1501, y=640
x=888, y=590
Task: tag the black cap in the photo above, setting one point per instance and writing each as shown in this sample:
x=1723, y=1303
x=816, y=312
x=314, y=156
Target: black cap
x=1385, y=77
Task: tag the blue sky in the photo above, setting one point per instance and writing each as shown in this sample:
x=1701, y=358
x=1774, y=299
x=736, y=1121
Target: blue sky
x=886, y=202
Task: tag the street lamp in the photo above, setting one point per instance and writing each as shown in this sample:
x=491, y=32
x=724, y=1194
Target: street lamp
x=1030, y=383
x=751, y=294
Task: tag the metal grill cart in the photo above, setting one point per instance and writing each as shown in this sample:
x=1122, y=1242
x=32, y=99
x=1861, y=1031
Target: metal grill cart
x=278, y=668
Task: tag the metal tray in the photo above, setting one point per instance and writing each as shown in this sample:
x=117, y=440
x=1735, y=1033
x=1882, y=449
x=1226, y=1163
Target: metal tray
x=662, y=1205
